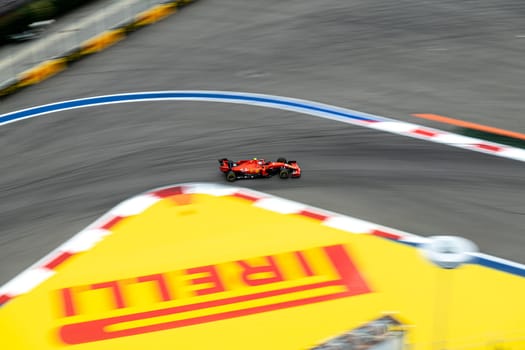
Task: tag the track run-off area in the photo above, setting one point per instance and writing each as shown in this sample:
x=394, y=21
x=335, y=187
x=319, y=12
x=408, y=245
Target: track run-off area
x=61, y=172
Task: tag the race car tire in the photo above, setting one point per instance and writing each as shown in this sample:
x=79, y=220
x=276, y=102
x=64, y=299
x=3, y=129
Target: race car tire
x=230, y=176
x=284, y=174
x=281, y=160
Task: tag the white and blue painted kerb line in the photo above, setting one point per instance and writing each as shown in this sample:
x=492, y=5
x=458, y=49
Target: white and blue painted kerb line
x=300, y=106
x=476, y=258
x=278, y=102
x=285, y=103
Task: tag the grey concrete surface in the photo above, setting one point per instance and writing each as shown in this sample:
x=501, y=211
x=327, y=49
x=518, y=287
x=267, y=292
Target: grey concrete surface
x=461, y=59
x=9, y=51
x=66, y=34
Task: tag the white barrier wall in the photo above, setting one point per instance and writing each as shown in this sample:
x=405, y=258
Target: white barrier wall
x=70, y=37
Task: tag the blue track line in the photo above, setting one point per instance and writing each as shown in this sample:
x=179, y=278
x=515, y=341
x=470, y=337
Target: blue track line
x=277, y=102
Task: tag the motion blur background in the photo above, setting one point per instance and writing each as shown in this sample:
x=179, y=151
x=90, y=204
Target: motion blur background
x=462, y=59
x=459, y=59
x=17, y=15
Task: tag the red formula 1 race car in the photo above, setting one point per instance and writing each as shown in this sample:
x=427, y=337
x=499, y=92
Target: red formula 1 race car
x=256, y=168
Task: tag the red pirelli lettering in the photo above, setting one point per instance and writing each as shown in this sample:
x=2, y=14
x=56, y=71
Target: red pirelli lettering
x=161, y=284
x=347, y=270
x=68, y=304
x=341, y=279
x=307, y=269
x=210, y=278
x=97, y=330
x=261, y=274
x=116, y=292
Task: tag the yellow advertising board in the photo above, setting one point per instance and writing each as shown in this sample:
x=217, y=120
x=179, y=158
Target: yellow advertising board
x=201, y=266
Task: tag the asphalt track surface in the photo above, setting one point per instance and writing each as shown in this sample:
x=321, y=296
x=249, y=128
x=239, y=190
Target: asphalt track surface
x=460, y=59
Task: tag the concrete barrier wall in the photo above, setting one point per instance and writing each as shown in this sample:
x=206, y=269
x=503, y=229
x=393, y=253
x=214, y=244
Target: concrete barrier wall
x=53, y=54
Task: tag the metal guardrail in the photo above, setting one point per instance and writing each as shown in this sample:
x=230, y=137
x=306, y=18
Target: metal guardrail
x=70, y=37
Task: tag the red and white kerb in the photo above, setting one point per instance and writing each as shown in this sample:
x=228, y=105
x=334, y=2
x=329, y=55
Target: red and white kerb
x=448, y=138
x=89, y=237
